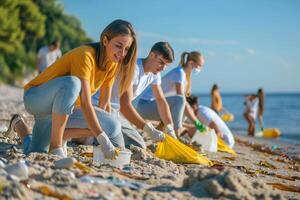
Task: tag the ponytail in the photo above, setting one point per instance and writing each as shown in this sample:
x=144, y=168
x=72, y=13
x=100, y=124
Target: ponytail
x=183, y=59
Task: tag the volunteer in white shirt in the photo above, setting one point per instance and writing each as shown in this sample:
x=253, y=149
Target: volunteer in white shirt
x=211, y=119
x=176, y=85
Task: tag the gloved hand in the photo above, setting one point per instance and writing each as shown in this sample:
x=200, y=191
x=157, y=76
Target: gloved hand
x=200, y=127
x=170, y=131
x=108, y=149
x=154, y=134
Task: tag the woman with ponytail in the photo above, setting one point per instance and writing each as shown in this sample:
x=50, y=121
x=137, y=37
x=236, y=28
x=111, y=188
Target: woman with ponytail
x=176, y=85
x=68, y=84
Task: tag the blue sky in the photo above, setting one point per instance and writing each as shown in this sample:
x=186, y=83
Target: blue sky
x=247, y=44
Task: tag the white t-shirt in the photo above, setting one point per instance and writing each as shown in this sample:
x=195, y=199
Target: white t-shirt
x=139, y=83
x=253, y=107
x=168, y=83
x=47, y=57
x=207, y=115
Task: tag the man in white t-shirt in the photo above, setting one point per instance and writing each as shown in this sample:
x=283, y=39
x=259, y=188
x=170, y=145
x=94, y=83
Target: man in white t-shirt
x=210, y=118
x=47, y=55
x=147, y=72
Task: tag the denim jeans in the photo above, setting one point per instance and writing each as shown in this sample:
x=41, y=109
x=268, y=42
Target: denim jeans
x=55, y=96
x=148, y=109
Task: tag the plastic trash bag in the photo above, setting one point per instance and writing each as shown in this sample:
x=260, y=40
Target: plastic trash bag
x=222, y=146
x=172, y=149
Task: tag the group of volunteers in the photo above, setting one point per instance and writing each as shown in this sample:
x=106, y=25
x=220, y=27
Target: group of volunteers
x=88, y=94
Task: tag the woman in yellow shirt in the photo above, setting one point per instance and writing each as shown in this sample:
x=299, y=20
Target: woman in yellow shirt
x=216, y=100
x=69, y=83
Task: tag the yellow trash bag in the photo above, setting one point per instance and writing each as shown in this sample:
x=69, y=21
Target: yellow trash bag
x=172, y=149
x=222, y=146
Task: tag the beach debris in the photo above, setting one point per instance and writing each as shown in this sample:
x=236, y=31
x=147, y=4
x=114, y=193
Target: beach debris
x=284, y=187
x=85, y=169
x=47, y=191
x=93, y=180
x=86, y=154
x=172, y=149
x=229, y=158
x=65, y=163
x=19, y=169
x=72, y=162
x=128, y=175
x=267, y=164
x=290, y=178
x=114, y=181
x=294, y=168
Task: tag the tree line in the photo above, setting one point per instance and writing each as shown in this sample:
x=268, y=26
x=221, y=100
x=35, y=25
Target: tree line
x=27, y=25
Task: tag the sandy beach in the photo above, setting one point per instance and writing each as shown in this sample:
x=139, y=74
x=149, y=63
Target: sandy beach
x=261, y=165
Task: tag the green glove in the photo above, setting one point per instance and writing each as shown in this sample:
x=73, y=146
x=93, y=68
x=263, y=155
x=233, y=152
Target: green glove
x=200, y=127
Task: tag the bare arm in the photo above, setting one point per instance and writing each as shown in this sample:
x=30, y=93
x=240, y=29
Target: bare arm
x=162, y=105
x=129, y=111
x=104, y=98
x=88, y=110
x=214, y=126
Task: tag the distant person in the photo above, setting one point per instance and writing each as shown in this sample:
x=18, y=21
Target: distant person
x=217, y=105
x=211, y=119
x=47, y=55
x=216, y=99
x=254, y=107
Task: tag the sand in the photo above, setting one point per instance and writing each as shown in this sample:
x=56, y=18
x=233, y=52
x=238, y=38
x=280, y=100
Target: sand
x=147, y=177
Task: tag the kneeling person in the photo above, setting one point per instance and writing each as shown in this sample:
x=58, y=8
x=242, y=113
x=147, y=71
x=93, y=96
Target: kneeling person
x=210, y=118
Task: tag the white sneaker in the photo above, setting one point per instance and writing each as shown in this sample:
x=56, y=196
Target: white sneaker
x=59, y=152
x=10, y=133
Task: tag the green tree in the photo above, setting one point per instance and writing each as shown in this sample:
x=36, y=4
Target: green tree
x=27, y=25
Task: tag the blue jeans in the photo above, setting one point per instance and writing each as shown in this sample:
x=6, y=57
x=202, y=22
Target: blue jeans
x=148, y=109
x=55, y=96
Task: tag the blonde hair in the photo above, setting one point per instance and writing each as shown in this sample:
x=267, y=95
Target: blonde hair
x=185, y=58
x=127, y=66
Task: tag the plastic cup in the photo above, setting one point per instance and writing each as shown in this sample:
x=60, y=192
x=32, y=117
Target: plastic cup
x=122, y=160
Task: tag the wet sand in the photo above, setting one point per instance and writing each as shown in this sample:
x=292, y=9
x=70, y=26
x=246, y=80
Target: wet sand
x=259, y=162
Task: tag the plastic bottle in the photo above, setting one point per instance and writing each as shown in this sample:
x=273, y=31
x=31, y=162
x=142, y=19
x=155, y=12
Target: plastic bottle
x=208, y=140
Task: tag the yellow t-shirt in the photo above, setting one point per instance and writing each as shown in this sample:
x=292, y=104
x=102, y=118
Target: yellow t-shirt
x=217, y=102
x=79, y=62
